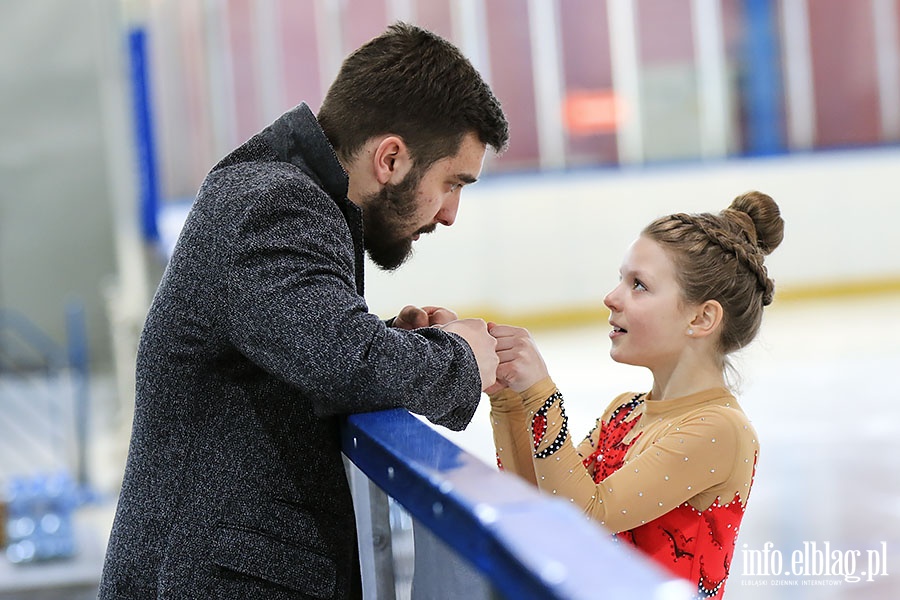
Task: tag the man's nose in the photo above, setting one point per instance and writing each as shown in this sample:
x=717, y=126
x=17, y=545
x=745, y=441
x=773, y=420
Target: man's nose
x=447, y=215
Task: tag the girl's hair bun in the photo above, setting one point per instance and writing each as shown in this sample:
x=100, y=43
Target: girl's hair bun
x=759, y=217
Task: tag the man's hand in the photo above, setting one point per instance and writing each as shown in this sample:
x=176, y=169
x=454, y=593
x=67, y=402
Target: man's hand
x=520, y=363
x=483, y=345
x=413, y=317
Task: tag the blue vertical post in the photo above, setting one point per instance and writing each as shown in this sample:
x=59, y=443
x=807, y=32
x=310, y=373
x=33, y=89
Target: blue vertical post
x=143, y=125
x=762, y=89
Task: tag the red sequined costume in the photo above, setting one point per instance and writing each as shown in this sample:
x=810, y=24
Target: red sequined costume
x=670, y=477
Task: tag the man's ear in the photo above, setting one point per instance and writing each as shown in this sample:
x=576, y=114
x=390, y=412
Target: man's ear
x=707, y=319
x=391, y=161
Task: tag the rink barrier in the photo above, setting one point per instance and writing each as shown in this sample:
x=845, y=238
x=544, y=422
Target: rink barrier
x=526, y=544
x=44, y=408
x=44, y=396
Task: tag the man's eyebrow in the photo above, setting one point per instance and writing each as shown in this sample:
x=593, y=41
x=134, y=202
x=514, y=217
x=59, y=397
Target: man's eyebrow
x=466, y=178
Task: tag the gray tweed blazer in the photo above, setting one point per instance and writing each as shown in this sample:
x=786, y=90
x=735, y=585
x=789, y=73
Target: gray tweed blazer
x=257, y=341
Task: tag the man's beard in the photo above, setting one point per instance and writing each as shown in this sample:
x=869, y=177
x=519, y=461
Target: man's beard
x=387, y=218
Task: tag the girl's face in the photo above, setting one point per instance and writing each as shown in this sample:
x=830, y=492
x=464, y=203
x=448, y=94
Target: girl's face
x=649, y=318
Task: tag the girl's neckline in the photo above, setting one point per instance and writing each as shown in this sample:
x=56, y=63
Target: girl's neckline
x=700, y=397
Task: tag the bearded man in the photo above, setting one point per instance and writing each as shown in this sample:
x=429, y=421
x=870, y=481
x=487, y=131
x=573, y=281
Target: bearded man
x=259, y=339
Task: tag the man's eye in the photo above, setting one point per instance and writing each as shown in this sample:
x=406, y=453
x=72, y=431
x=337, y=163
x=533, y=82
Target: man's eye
x=454, y=187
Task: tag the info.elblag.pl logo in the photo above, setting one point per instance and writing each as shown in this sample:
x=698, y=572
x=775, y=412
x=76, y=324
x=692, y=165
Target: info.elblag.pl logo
x=814, y=563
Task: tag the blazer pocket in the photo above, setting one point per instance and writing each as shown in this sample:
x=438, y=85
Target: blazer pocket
x=266, y=557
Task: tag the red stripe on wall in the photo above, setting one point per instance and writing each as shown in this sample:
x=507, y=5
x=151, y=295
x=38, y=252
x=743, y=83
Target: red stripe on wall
x=241, y=42
x=301, y=58
x=845, y=76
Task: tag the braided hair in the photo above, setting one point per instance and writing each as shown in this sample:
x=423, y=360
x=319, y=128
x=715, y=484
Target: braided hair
x=721, y=257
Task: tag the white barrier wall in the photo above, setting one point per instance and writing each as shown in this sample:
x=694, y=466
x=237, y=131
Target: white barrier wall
x=548, y=244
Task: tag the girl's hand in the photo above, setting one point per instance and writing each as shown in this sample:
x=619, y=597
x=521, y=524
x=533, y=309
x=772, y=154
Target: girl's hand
x=521, y=364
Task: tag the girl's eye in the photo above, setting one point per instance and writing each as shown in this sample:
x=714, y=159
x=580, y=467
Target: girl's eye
x=637, y=285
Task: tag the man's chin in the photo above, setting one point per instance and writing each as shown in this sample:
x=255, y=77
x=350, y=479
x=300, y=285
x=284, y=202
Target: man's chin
x=391, y=258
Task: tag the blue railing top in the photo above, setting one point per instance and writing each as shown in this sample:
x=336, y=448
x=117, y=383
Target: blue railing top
x=528, y=544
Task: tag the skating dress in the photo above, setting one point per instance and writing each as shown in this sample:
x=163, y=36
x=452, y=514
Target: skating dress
x=669, y=477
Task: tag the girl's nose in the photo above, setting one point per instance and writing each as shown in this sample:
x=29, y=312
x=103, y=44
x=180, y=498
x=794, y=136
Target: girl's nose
x=610, y=299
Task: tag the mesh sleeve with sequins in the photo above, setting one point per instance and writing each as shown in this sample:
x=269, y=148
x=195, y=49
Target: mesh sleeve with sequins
x=696, y=456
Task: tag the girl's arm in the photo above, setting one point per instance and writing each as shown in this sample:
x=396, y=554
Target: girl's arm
x=512, y=435
x=694, y=456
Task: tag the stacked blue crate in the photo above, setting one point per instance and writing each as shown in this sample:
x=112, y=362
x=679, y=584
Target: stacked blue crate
x=39, y=523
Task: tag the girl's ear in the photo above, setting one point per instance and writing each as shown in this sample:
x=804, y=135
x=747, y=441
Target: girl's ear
x=391, y=160
x=707, y=319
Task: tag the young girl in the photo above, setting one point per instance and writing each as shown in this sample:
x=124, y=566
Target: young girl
x=670, y=470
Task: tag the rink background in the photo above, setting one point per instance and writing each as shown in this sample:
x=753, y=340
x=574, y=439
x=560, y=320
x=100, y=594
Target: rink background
x=536, y=249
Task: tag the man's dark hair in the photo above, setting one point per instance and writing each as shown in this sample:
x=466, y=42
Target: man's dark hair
x=413, y=83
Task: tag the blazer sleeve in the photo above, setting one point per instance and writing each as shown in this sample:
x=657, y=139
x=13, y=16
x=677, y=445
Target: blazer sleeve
x=293, y=309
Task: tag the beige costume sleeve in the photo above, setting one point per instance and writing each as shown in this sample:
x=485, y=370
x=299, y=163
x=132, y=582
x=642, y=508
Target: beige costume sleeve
x=691, y=458
x=512, y=435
